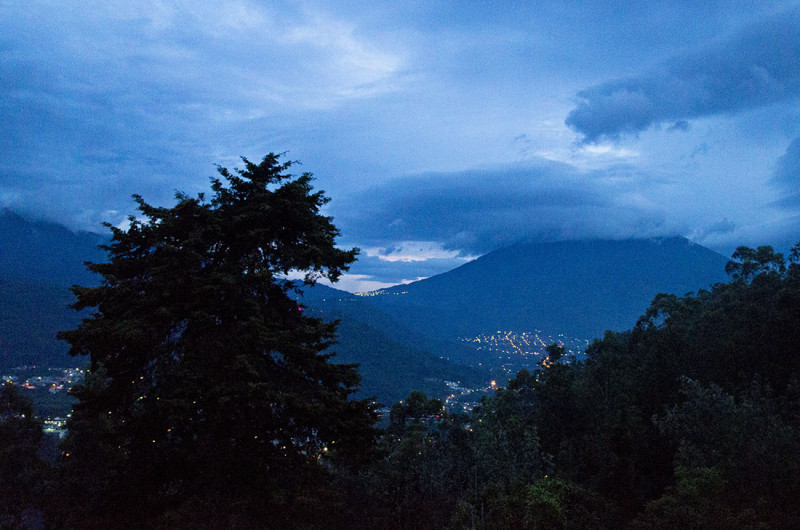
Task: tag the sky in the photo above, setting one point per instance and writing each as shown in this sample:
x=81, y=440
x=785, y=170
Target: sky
x=440, y=130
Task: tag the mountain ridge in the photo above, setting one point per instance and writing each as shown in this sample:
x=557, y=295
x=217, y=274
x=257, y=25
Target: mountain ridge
x=571, y=288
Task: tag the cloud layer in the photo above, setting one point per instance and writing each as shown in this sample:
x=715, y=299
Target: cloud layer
x=757, y=66
x=477, y=211
x=101, y=100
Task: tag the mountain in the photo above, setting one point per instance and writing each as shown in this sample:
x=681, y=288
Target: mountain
x=38, y=263
x=44, y=252
x=405, y=337
x=40, y=260
x=336, y=304
x=30, y=316
x=575, y=288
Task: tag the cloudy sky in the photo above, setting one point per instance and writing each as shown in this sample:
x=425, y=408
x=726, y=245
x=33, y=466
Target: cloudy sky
x=441, y=130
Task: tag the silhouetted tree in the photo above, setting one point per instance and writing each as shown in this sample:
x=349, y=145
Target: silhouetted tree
x=210, y=397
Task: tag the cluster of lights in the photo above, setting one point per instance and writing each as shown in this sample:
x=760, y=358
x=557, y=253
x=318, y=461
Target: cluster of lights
x=525, y=343
x=380, y=292
x=56, y=380
x=465, y=399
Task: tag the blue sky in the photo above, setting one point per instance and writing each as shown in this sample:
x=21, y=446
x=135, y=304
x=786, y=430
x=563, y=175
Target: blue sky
x=441, y=130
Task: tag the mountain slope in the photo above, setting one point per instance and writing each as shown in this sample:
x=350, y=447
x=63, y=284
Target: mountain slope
x=392, y=360
x=336, y=304
x=43, y=252
x=404, y=339
x=30, y=316
x=578, y=288
x=38, y=263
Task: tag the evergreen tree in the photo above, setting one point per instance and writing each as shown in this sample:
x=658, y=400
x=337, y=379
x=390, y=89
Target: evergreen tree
x=209, y=389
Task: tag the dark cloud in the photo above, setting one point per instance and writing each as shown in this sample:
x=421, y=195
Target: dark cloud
x=787, y=176
x=721, y=227
x=681, y=125
x=757, y=66
x=789, y=202
x=787, y=173
x=480, y=210
x=101, y=100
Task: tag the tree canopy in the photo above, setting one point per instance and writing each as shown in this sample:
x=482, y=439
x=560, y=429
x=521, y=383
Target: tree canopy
x=206, y=380
x=21, y=469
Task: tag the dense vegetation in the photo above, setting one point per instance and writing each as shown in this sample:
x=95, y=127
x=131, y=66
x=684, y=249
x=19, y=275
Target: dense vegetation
x=23, y=474
x=211, y=401
x=689, y=420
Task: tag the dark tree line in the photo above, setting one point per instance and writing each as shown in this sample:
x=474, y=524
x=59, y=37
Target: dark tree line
x=689, y=420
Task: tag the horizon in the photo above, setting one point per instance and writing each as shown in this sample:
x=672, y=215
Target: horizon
x=352, y=287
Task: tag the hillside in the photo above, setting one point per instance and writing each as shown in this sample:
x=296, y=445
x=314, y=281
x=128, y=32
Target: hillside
x=406, y=337
x=30, y=316
x=43, y=252
x=392, y=359
x=38, y=263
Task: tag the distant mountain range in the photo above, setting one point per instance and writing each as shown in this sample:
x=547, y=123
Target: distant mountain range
x=406, y=337
x=40, y=260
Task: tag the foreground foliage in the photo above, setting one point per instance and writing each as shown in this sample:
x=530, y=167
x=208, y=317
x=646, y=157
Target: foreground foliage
x=209, y=397
x=22, y=473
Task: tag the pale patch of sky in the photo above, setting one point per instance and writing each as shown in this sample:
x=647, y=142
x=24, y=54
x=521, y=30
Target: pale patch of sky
x=409, y=251
x=357, y=283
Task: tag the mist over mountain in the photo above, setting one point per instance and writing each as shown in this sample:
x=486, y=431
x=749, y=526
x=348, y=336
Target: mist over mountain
x=577, y=288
